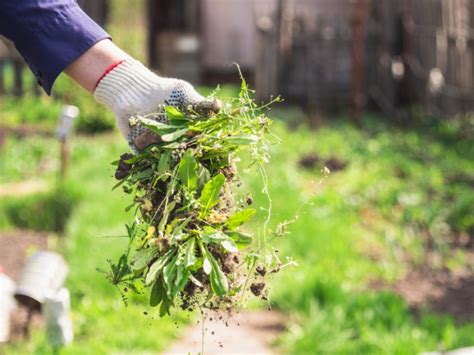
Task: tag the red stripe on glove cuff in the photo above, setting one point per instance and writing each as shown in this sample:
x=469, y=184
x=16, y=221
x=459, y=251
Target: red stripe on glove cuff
x=109, y=69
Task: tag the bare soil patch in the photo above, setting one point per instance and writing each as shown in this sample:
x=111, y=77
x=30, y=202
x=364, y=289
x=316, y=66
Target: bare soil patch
x=442, y=291
x=15, y=247
x=23, y=188
x=311, y=160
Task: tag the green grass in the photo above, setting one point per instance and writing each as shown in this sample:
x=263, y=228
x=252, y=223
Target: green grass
x=28, y=159
x=368, y=206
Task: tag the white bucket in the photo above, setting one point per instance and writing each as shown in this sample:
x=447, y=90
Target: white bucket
x=57, y=314
x=7, y=304
x=43, y=275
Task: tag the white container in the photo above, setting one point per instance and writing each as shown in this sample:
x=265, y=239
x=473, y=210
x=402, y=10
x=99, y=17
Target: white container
x=7, y=304
x=57, y=314
x=43, y=275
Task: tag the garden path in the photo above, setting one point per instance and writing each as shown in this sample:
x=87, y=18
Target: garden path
x=247, y=332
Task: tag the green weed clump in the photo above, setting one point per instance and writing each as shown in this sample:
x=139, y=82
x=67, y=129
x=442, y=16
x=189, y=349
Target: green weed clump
x=186, y=243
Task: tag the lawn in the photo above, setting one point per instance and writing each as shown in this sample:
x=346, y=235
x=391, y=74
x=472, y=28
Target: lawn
x=370, y=219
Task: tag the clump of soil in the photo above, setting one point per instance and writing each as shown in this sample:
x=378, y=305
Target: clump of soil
x=257, y=288
x=311, y=160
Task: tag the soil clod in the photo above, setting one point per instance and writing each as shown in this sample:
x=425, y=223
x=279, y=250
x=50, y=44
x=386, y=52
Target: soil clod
x=257, y=288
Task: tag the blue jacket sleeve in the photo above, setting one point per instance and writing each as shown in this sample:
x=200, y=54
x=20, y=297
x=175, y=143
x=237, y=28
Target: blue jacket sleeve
x=49, y=34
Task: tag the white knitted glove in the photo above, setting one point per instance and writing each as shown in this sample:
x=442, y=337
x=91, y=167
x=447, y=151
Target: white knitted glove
x=130, y=89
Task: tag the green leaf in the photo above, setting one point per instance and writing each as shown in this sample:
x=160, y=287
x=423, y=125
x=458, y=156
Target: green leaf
x=240, y=218
x=164, y=163
x=143, y=175
x=168, y=209
x=156, y=294
x=142, y=259
x=173, y=112
x=241, y=139
x=203, y=176
x=166, y=303
x=169, y=275
x=210, y=194
x=207, y=266
x=136, y=158
x=129, y=207
x=188, y=171
x=190, y=252
x=173, y=145
x=157, y=266
x=182, y=278
x=240, y=239
x=219, y=283
x=179, y=227
x=156, y=126
x=213, y=237
x=230, y=246
x=170, y=137
x=243, y=85
x=221, y=239
x=118, y=184
x=175, y=117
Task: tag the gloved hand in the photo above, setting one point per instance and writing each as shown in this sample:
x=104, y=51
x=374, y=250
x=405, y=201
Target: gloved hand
x=130, y=89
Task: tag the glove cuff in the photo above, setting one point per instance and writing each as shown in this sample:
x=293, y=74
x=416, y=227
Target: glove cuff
x=125, y=87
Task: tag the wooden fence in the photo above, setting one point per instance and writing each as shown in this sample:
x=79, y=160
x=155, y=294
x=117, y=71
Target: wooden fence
x=440, y=54
x=416, y=52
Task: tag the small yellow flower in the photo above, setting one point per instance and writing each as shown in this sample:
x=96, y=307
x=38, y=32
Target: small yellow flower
x=150, y=232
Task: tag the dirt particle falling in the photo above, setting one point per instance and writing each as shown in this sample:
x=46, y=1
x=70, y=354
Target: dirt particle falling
x=257, y=288
x=249, y=199
x=261, y=270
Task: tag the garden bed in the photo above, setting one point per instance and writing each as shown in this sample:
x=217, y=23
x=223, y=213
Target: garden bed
x=15, y=248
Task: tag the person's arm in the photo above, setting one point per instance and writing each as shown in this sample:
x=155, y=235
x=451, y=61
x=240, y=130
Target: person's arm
x=49, y=34
x=91, y=66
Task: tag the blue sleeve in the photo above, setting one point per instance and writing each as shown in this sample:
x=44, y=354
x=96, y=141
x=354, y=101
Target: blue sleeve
x=49, y=34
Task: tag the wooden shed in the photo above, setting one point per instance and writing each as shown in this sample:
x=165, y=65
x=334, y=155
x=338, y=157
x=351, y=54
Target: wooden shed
x=200, y=40
x=304, y=50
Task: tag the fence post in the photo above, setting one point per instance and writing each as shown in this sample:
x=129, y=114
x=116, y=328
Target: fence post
x=18, y=80
x=359, y=16
x=2, y=82
x=267, y=73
